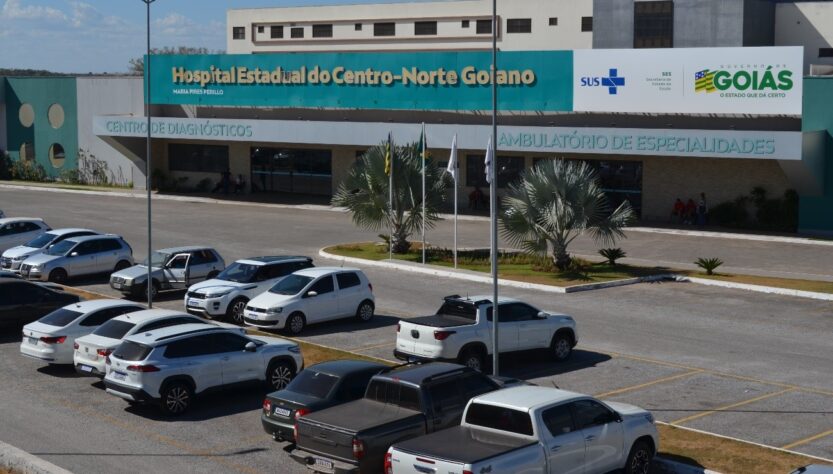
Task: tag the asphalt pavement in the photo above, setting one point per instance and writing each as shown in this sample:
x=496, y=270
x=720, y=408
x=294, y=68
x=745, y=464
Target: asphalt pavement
x=763, y=362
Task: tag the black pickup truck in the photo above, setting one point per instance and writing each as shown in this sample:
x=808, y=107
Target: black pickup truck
x=399, y=404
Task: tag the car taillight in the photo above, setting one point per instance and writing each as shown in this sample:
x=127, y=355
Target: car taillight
x=301, y=412
x=358, y=448
x=104, y=352
x=467, y=472
x=143, y=368
x=442, y=335
x=388, y=464
x=75, y=345
x=398, y=327
x=267, y=406
x=53, y=339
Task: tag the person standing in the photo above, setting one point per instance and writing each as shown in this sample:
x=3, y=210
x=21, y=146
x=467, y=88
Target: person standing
x=226, y=180
x=702, y=210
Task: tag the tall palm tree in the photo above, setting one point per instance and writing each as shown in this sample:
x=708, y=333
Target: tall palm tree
x=365, y=193
x=555, y=202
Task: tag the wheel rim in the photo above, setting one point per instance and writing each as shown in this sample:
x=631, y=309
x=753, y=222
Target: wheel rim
x=474, y=363
x=562, y=348
x=58, y=276
x=296, y=324
x=366, y=312
x=641, y=462
x=281, y=377
x=177, y=399
x=237, y=312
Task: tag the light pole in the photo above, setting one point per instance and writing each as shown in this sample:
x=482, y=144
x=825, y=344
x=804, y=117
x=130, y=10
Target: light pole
x=148, y=168
x=493, y=197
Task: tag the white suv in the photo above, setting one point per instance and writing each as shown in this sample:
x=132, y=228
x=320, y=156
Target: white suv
x=311, y=296
x=171, y=365
x=226, y=295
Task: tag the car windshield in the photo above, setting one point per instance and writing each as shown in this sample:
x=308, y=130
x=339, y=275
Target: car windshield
x=41, y=241
x=114, y=329
x=312, y=383
x=291, y=285
x=157, y=259
x=132, y=351
x=238, y=272
x=60, y=317
x=61, y=248
x=499, y=418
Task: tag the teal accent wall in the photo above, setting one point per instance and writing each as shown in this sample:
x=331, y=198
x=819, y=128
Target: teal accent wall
x=816, y=213
x=41, y=93
x=415, y=80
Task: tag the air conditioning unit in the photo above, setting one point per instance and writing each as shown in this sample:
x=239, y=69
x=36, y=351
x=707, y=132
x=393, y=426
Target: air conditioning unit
x=821, y=69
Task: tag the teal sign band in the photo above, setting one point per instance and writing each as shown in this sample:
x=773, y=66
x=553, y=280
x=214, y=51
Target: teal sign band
x=528, y=80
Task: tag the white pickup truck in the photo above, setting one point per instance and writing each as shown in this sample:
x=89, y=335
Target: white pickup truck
x=532, y=430
x=461, y=331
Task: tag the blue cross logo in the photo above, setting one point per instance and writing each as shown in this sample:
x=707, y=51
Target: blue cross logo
x=613, y=81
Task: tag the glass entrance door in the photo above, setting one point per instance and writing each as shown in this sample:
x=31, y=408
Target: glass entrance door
x=292, y=170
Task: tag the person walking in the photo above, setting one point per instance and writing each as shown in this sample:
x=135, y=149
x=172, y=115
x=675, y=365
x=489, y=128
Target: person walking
x=226, y=180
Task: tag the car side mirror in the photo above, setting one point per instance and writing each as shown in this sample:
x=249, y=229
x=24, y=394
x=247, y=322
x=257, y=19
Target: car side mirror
x=312, y=294
x=542, y=315
x=73, y=254
x=250, y=347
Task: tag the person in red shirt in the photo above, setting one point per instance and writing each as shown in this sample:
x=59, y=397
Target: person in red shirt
x=690, y=211
x=678, y=212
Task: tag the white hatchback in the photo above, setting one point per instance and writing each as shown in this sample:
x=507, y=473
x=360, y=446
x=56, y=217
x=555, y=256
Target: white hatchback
x=312, y=296
x=52, y=337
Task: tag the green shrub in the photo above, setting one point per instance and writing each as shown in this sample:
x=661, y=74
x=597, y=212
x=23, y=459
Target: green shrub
x=204, y=185
x=709, y=264
x=71, y=177
x=780, y=214
x=612, y=254
x=5, y=165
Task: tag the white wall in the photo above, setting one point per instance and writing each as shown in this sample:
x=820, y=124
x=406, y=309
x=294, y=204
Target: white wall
x=449, y=16
x=808, y=24
x=108, y=96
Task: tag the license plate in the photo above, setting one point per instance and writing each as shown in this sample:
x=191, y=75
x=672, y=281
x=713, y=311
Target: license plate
x=119, y=375
x=117, y=286
x=323, y=464
x=282, y=412
x=32, y=340
x=85, y=368
x=193, y=302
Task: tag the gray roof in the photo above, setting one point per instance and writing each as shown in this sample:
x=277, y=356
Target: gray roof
x=417, y=374
x=189, y=248
x=345, y=366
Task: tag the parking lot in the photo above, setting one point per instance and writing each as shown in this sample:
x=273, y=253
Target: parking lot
x=757, y=367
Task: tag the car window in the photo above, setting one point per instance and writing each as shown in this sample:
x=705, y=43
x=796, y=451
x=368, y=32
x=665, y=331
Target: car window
x=313, y=383
x=354, y=385
x=504, y=315
x=86, y=248
x=517, y=312
x=132, y=351
x=262, y=273
x=191, y=347
x=347, y=280
x=445, y=397
x=178, y=262
x=114, y=329
x=74, y=234
x=476, y=384
x=60, y=317
x=100, y=317
x=108, y=245
x=227, y=342
x=303, y=264
x=591, y=413
x=324, y=285
x=558, y=420
x=282, y=269
x=6, y=230
x=393, y=393
x=30, y=227
x=164, y=323
x=200, y=257
x=499, y=418
x=42, y=240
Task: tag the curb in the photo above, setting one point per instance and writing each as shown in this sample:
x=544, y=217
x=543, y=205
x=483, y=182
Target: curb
x=19, y=460
x=456, y=274
x=667, y=466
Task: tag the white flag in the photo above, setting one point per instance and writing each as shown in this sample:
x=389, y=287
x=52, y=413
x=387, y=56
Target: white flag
x=489, y=153
x=452, y=159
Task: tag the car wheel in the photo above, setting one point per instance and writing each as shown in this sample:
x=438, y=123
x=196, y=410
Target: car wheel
x=58, y=275
x=176, y=398
x=142, y=292
x=473, y=358
x=279, y=375
x=561, y=347
x=121, y=266
x=295, y=323
x=234, y=313
x=365, y=311
x=639, y=459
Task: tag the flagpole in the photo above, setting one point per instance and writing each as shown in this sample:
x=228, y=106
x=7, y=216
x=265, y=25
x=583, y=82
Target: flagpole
x=456, y=171
x=390, y=196
x=424, y=157
x=493, y=196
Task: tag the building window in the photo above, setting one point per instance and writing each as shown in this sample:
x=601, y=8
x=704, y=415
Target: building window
x=193, y=157
x=509, y=169
x=260, y=29
x=519, y=25
x=425, y=28
x=57, y=156
x=276, y=32
x=384, y=29
x=826, y=52
x=296, y=32
x=358, y=26
x=305, y=171
x=484, y=27
x=238, y=32
x=464, y=24
x=653, y=24
x=554, y=21
x=322, y=31
x=55, y=115
x=587, y=23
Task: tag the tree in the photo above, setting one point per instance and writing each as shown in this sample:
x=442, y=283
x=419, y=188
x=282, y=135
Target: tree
x=365, y=193
x=555, y=202
x=137, y=65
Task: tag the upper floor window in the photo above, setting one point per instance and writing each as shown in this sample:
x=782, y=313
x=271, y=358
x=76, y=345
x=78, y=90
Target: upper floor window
x=297, y=32
x=276, y=32
x=519, y=25
x=554, y=21
x=826, y=52
x=484, y=27
x=653, y=24
x=587, y=23
x=260, y=29
x=464, y=24
x=358, y=27
x=238, y=32
x=425, y=28
x=384, y=29
x=322, y=31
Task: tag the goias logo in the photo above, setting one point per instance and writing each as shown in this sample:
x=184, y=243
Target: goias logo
x=744, y=79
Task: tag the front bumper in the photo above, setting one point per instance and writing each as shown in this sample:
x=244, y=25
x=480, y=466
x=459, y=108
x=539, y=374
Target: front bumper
x=127, y=392
x=10, y=264
x=124, y=286
x=29, y=274
x=279, y=431
x=213, y=307
x=308, y=460
x=262, y=323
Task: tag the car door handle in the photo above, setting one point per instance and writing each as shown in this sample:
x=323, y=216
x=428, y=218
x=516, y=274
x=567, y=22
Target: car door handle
x=555, y=448
x=589, y=438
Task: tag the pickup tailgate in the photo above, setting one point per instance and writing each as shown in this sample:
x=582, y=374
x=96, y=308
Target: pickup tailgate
x=416, y=335
x=452, y=450
x=330, y=432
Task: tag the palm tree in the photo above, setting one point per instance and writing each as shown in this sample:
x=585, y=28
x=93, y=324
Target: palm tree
x=365, y=193
x=555, y=202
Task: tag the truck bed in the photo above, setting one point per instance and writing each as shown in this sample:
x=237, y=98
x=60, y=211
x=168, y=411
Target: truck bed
x=462, y=445
x=360, y=415
x=440, y=321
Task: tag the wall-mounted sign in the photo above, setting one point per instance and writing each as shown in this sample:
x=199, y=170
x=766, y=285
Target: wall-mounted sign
x=529, y=81
x=765, y=80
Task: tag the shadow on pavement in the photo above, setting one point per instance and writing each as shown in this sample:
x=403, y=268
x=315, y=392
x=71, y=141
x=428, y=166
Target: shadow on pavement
x=205, y=407
x=63, y=371
x=534, y=364
x=346, y=325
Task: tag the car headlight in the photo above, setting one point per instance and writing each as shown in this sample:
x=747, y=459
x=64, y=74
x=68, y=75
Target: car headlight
x=217, y=294
x=35, y=268
x=274, y=311
x=19, y=259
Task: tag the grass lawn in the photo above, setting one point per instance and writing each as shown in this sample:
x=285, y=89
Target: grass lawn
x=534, y=270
